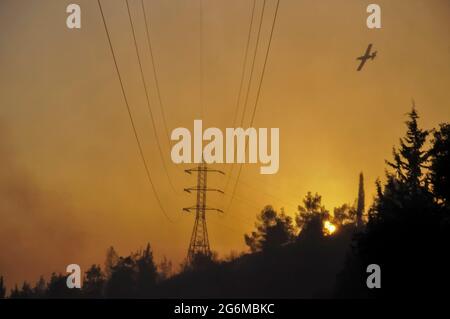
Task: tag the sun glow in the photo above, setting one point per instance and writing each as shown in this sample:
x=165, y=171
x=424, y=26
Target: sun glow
x=329, y=227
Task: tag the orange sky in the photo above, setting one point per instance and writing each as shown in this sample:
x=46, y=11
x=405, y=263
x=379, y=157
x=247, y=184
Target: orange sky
x=72, y=182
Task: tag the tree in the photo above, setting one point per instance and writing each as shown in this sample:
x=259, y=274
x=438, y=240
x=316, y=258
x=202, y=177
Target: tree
x=57, y=287
x=39, y=290
x=15, y=292
x=146, y=274
x=440, y=164
x=24, y=293
x=344, y=214
x=201, y=262
x=411, y=157
x=165, y=269
x=27, y=291
x=311, y=215
x=405, y=233
x=93, y=282
x=2, y=288
x=407, y=184
x=122, y=280
x=111, y=260
x=272, y=230
x=361, y=201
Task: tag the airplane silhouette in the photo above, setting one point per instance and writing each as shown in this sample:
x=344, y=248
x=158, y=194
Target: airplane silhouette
x=366, y=56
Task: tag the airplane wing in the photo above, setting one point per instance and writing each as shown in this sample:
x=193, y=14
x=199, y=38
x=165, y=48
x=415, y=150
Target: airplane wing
x=364, y=57
x=368, y=49
x=363, y=61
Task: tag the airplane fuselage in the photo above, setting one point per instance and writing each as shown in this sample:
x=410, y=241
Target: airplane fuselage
x=367, y=56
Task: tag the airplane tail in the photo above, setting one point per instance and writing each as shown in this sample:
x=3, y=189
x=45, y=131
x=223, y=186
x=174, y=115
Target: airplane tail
x=374, y=54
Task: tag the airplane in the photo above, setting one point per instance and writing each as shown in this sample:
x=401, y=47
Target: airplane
x=366, y=56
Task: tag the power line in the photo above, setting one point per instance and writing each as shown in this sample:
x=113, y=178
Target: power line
x=141, y=153
x=245, y=64
x=149, y=42
x=248, y=91
x=148, y=99
x=201, y=59
x=251, y=74
x=258, y=92
x=253, y=62
x=265, y=63
x=199, y=242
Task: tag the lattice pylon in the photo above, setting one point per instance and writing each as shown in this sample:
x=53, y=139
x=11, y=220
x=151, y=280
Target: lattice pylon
x=199, y=243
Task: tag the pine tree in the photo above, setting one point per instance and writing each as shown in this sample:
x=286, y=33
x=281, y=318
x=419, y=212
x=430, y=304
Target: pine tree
x=147, y=273
x=111, y=260
x=404, y=227
x=311, y=216
x=15, y=293
x=440, y=164
x=40, y=289
x=93, y=283
x=165, y=269
x=272, y=231
x=2, y=288
x=411, y=158
x=361, y=201
x=312, y=209
x=122, y=280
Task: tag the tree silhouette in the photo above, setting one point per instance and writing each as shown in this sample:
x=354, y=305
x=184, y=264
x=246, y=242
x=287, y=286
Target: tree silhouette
x=200, y=262
x=2, y=288
x=121, y=283
x=405, y=233
x=93, y=282
x=360, y=206
x=440, y=164
x=111, y=260
x=311, y=216
x=411, y=158
x=15, y=292
x=165, y=269
x=39, y=291
x=272, y=230
x=26, y=292
x=344, y=214
x=57, y=287
x=146, y=274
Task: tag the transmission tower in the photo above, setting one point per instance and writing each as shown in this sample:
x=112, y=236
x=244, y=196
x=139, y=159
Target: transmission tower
x=199, y=243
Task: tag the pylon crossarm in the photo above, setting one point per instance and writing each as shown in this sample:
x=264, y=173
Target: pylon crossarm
x=188, y=209
x=189, y=171
x=216, y=209
x=215, y=171
x=196, y=189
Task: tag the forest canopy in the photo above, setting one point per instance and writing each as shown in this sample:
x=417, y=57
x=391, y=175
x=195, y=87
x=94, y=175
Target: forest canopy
x=406, y=230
